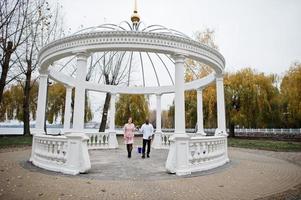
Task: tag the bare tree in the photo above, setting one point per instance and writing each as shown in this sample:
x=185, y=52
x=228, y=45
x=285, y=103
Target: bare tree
x=113, y=71
x=41, y=27
x=6, y=15
x=12, y=21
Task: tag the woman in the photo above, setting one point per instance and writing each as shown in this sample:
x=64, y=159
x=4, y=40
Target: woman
x=129, y=129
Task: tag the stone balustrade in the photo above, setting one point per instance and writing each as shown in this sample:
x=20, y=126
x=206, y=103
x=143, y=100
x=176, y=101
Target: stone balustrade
x=165, y=136
x=207, y=152
x=98, y=140
x=51, y=148
x=102, y=140
x=67, y=154
x=165, y=140
x=201, y=153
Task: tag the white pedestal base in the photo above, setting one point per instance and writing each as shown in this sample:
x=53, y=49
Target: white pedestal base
x=157, y=141
x=177, y=160
x=78, y=159
x=113, y=143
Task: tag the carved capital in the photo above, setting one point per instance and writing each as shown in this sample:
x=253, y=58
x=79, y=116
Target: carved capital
x=178, y=58
x=68, y=87
x=82, y=55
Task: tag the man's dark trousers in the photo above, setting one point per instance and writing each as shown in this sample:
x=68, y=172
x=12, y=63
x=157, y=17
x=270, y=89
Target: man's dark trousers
x=148, y=142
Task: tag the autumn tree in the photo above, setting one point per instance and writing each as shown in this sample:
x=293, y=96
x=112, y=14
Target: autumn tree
x=257, y=94
x=11, y=106
x=291, y=97
x=166, y=119
x=135, y=106
x=196, y=70
x=56, y=104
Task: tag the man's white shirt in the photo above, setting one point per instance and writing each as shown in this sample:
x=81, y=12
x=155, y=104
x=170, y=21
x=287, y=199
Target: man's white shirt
x=147, y=130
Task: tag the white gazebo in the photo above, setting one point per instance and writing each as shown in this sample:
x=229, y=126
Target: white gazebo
x=188, y=153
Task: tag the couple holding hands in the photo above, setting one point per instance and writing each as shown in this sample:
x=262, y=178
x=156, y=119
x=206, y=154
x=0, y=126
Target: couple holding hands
x=128, y=130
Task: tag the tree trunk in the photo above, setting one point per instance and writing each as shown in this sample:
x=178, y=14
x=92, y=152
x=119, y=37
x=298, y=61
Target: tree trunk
x=232, y=129
x=105, y=113
x=26, y=101
x=7, y=54
x=72, y=108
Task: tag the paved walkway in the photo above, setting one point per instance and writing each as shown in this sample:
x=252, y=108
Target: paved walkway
x=251, y=174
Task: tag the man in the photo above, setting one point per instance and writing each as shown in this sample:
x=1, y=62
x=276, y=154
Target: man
x=147, y=129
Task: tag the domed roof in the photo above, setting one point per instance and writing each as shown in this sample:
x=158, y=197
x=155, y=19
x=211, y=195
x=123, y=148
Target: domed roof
x=126, y=26
x=146, y=69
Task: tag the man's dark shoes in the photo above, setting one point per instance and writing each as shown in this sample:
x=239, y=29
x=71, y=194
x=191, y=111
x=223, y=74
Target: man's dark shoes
x=148, y=156
x=143, y=157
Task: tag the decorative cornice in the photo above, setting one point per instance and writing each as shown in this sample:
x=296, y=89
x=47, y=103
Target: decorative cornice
x=131, y=40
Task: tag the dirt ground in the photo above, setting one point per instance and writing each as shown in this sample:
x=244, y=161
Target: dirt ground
x=251, y=174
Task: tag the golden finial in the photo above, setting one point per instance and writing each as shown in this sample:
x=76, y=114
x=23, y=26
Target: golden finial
x=135, y=18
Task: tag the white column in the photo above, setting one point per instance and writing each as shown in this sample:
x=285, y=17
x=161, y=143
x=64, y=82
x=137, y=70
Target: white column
x=157, y=141
x=158, y=114
x=113, y=143
x=42, y=99
x=67, y=114
x=179, y=95
x=200, y=120
x=221, y=115
x=79, y=98
x=177, y=159
x=112, y=112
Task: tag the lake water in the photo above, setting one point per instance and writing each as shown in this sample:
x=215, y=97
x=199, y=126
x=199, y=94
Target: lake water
x=54, y=131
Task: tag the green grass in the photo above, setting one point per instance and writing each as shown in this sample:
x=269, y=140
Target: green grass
x=270, y=145
x=15, y=141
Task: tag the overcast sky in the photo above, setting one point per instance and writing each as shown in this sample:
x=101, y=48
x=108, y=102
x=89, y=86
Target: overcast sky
x=261, y=34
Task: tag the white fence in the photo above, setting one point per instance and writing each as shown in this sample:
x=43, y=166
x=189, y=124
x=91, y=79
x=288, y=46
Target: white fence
x=248, y=130
x=270, y=131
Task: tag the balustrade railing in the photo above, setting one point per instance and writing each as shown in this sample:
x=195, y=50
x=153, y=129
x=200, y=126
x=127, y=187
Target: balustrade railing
x=98, y=140
x=165, y=140
x=67, y=154
x=53, y=149
x=207, y=152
